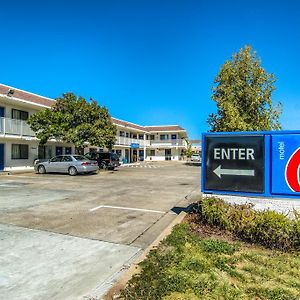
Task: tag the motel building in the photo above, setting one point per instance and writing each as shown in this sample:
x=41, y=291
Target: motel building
x=19, y=147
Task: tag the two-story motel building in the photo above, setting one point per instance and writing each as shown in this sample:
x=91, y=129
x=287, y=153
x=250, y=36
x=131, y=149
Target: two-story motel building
x=19, y=146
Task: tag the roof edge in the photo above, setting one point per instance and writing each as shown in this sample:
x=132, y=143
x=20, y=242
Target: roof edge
x=14, y=88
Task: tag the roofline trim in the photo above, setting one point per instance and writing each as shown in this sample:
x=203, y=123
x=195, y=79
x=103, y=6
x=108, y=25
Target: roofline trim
x=161, y=125
x=13, y=88
x=24, y=101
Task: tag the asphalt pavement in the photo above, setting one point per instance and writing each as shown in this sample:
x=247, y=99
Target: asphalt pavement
x=66, y=237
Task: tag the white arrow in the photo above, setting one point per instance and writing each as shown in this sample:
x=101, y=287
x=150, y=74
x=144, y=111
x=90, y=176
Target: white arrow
x=219, y=172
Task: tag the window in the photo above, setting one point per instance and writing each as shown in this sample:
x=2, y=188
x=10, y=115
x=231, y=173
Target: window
x=152, y=152
x=91, y=155
x=19, y=114
x=79, y=151
x=44, y=152
x=56, y=159
x=164, y=137
x=93, y=150
x=127, y=134
x=134, y=136
x=122, y=133
x=79, y=157
x=173, y=136
x=141, y=136
x=68, y=150
x=58, y=150
x=19, y=151
x=67, y=158
x=152, y=137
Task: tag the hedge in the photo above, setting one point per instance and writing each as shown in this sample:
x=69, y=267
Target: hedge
x=268, y=228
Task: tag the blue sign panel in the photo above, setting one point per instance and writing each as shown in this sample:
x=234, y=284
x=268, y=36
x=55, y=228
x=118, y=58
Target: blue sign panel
x=134, y=145
x=252, y=163
x=285, y=164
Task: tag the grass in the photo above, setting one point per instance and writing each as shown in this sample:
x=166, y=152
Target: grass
x=186, y=266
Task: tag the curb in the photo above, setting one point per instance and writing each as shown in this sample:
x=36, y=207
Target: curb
x=114, y=291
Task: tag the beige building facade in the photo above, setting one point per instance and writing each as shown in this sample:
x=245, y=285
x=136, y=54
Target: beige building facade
x=19, y=146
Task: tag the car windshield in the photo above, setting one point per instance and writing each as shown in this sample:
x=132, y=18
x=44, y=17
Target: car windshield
x=114, y=156
x=79, y=157
x=105, y=155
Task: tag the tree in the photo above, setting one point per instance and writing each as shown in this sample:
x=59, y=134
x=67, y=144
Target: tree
x=74, y=120
x=188, y=152
x=243, y=92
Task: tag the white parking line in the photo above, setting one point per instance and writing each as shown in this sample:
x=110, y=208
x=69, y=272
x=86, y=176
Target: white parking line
x=127, y=208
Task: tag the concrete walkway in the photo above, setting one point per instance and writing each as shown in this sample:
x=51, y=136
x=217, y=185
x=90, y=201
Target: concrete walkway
x=37, y=265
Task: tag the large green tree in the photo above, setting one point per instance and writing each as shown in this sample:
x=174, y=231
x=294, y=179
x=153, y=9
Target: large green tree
x=243, y=92
x=72, y=119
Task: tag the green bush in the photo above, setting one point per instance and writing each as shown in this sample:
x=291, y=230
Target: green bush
x=268, y=228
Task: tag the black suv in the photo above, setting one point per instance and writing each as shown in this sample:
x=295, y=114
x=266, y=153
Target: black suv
x=106, y=160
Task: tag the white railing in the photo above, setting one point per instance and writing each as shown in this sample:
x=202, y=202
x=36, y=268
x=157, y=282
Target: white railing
x=125, y=141
x=178, y=142
x=15, y=127
x=122, y=140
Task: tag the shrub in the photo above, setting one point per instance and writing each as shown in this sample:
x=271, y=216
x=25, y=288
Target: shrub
x=268, y=228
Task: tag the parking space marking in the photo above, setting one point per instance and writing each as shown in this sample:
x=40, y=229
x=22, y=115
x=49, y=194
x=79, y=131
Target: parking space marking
x=141, y=166
x=127, y=208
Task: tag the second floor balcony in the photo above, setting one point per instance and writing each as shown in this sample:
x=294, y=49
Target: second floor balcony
x=125, y=141
x=19, y=128
x=15, y=127
x=168, y=142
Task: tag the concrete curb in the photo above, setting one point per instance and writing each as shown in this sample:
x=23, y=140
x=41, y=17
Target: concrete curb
x=134, y=268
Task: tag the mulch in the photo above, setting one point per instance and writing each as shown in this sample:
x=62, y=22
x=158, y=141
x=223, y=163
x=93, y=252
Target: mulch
x=208, y=231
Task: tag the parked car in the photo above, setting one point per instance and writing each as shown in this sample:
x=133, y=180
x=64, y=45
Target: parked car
x=105, y=160
x=195, y=157
x=70, y=164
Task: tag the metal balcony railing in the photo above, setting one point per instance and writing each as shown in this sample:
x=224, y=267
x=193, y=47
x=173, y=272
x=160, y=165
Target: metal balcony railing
x=122, y=140
x=160, y=143
x=10, y=126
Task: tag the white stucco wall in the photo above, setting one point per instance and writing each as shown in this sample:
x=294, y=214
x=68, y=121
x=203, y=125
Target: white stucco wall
x=23, y=164
x=19, y=164
x=160, y=155
x=8, y=109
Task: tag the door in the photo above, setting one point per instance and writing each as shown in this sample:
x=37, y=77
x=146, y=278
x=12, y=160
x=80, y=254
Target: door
x=141, y=155
x=55, y=164
x=1, y=157
x=167, y=154
x=1, y=119
x=134, y=155
x=126, y=156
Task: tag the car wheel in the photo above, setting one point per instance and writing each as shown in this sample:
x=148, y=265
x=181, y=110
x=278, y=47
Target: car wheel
x=41, y=169
x=72, y=171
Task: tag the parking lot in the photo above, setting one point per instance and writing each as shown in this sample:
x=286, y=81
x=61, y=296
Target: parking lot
x=66, y=237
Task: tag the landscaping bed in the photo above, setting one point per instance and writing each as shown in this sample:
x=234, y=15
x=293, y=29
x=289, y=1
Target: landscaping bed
x=201, y=261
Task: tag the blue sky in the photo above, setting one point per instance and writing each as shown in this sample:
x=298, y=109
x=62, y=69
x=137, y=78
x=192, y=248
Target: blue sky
x=150, y=62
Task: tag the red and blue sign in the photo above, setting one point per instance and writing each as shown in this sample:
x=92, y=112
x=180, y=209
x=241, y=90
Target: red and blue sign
x=252, y=163
x=285, y=164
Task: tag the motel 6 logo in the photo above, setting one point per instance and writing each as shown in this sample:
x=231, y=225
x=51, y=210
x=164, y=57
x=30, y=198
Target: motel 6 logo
x=292, y=171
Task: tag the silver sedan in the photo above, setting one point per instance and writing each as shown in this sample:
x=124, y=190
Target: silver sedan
x=71, y=164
